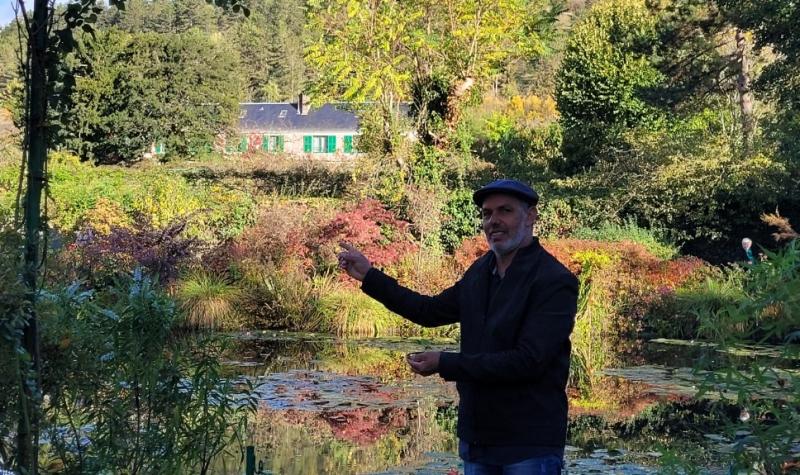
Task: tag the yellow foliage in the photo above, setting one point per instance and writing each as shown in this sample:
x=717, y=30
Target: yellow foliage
x=532, y=110
x=104, y=216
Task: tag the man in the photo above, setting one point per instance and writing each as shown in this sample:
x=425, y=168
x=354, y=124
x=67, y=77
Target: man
x=516, y=306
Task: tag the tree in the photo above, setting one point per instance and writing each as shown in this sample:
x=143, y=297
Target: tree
x=606, y=69
x=446, y=49
x=774, y=25
x=270, y=42
x=44, y=39
x=706, y=63
x=179, y=89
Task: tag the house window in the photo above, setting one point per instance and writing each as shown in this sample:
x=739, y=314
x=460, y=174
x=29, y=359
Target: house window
x=272, y=143
x=319, y=144
x=282, y=115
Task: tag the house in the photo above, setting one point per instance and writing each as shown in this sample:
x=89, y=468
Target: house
x=328, y=132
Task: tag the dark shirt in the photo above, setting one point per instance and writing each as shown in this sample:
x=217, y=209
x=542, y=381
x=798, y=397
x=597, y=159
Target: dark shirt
x=502, y=454
x=512, y=368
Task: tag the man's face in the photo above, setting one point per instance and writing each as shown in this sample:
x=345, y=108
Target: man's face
x=507, y=222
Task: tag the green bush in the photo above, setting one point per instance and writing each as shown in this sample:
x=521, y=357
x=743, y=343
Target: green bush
x=14, y=312
x=113, y=365
x=461, y=219
x=214, y=213
x=698, y=185
x=604, y=72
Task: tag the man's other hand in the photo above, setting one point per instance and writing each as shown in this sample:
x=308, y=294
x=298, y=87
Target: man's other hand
x=425, y=363
x=353, y=262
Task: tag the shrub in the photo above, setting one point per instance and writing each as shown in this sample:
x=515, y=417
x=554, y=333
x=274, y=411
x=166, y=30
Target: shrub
x=113, y=367
x=762, y=307
x=161, y=251
x=620, y=283
x=14, y=312
x=101, y=197
x=281, y=233
x=104, y=216
x=369, y=227
x=599, y=84
x=461, y=219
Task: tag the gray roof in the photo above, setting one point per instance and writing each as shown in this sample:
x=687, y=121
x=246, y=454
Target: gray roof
x=270, y=117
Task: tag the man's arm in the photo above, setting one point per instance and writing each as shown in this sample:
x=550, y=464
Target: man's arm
x=543, y=335
x=423, y=310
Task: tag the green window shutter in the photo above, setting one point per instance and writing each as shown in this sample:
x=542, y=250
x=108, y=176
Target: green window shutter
x=331, y=144
x=307, y=143
x=348, y=144
x=279, y=143
x=265, y=143
x=243, y=144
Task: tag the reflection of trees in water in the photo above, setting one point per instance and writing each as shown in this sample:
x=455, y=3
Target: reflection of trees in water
x=338, y=356
x=347, y=358
x=351, y=441
x=675, y=426
x=273, y=356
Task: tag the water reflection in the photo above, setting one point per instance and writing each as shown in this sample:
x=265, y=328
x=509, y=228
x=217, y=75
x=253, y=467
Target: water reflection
x=344, y=406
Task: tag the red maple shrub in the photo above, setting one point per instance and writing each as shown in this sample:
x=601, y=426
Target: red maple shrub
x=371, y=228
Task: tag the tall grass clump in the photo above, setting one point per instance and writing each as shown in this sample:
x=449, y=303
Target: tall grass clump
x=591, y=349
x=282, y=297
x=208, y=300
x=352, y=313
x=678, y=314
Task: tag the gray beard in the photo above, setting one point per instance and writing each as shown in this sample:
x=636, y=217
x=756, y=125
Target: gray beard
x=509, y=246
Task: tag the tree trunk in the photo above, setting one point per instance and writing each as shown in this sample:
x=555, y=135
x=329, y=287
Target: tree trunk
x=743, y=87
x=36, y=124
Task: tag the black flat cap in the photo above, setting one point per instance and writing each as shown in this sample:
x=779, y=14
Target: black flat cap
x=508, y=187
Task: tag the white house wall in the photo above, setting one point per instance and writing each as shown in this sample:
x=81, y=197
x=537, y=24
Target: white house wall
x=293, y=143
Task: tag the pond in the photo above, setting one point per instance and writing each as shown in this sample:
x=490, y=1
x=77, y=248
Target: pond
x=329, y=405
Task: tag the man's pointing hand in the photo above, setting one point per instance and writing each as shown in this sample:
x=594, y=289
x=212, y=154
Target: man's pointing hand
x=353, y=262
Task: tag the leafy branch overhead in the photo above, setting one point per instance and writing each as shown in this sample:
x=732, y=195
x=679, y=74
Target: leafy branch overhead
x=376, y=51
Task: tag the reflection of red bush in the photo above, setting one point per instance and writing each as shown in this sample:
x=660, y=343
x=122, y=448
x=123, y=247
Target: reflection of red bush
x=364, y=425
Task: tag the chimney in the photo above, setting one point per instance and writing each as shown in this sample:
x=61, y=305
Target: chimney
x=303, y=104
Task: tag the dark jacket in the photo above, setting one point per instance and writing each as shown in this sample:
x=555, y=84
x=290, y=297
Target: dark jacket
x=513, y=366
